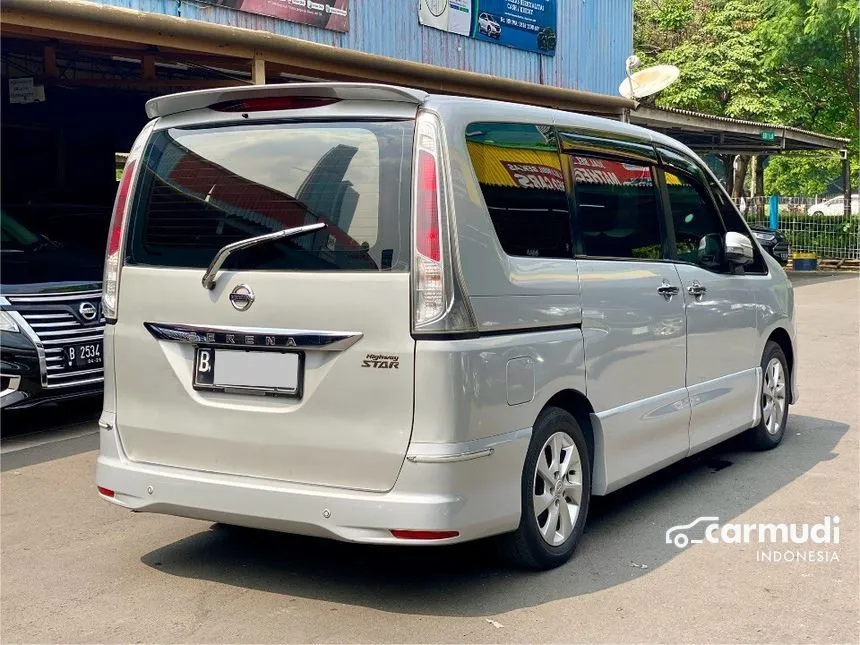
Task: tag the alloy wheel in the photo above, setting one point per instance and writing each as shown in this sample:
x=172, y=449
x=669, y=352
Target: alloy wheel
x=557, y=489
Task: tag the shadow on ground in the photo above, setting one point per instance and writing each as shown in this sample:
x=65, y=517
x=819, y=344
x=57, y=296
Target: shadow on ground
x=625, y=530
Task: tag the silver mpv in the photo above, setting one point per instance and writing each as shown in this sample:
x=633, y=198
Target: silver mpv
x=368, y=313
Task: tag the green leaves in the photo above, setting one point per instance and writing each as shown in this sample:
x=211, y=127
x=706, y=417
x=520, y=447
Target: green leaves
x=794, y=62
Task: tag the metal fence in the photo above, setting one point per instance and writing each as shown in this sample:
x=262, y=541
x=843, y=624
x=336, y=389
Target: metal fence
x=810, y=225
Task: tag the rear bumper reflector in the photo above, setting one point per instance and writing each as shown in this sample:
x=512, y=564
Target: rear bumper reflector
x=405, y=534
x=107, y=492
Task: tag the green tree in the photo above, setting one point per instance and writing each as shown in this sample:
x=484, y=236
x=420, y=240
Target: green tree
x=793, y=62
x=811, y=49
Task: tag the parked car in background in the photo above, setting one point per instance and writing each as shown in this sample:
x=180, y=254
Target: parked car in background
x=773, y=242
x=489, y=26
x=51, y=326
x=835, y=206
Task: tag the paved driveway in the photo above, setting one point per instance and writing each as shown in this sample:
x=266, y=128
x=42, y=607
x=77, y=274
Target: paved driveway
x=75, y=569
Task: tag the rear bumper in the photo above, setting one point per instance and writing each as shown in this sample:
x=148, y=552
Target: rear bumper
x=472, y=488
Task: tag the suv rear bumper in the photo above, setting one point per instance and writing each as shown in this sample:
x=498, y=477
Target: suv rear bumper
x=472, y=488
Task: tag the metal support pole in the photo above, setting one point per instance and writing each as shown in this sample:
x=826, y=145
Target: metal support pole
x=258, y=70
x=846, y=183
x=774, y=211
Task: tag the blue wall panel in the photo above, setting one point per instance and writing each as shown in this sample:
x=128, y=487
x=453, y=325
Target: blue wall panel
x=594, y=38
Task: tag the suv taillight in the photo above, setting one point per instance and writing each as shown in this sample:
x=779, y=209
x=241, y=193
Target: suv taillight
x=121, y=210
x=437, y=305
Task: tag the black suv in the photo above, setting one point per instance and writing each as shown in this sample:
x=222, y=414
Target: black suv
x=773, y=242
x=51, y=327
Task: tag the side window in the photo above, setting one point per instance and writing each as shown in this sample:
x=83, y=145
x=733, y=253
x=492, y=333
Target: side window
x=519, y=171
x=618, y=214
x=735, y=222
x=699, y=231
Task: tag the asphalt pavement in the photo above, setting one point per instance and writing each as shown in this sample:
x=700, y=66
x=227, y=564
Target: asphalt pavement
x=76, y=569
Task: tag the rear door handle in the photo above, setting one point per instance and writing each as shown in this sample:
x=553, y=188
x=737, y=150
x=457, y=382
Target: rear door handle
x=667, y=290
x=696, y=290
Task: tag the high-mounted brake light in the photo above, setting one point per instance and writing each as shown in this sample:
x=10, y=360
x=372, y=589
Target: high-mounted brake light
x=121, y=210
x=270, y=103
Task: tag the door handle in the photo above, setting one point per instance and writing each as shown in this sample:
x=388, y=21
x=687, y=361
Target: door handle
x=667, y=290
x=696, y=289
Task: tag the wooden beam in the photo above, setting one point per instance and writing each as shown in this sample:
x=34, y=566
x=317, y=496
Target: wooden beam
x=148, y=72
x=156, y=84
x=49, y=56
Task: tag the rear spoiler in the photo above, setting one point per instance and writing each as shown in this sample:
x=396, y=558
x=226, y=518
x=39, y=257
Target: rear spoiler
x=199, y=99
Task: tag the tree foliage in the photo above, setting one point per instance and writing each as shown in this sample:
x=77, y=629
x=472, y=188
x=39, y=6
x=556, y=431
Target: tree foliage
x=793, y=62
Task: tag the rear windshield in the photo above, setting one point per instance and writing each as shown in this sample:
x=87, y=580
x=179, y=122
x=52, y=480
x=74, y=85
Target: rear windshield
x=201, y=189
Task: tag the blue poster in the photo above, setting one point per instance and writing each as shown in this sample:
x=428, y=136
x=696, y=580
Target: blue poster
x=522, y=24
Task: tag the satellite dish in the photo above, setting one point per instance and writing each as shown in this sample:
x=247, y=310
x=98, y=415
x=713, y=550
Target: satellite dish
x=648, y=81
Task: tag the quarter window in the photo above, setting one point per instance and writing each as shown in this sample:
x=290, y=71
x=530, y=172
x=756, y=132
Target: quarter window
x=519, y=172
x=617, y=211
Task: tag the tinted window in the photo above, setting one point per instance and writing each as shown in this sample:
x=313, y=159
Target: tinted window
x=203, y=188
x=733, y=221
x=698, y=229
x=519, y=171
x=618, y=213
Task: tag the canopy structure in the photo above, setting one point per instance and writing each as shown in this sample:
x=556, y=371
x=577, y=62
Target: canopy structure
x=706, y=133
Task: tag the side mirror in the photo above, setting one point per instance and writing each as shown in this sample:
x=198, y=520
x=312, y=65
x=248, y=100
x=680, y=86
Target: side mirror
x=738, y=249
x=710, y=254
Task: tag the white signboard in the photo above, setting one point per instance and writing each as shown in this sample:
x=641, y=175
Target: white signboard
x=23, y=90
x=454, y=16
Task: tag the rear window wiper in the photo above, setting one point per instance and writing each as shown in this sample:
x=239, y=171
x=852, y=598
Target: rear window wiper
x=229, y=249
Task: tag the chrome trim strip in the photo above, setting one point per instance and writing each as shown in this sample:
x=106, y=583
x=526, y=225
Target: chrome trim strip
x=446, y=453
x=14, y=382
x=447, y=459
x=84, y=295
x=91, y=381
x=217, y=336
x=78, y=373
x=72, y=333
x=63, y=316
x=71, y=340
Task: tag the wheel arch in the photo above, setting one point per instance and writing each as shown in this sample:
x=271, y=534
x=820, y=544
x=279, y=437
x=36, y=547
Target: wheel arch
x=782, y=338
x=578, y=405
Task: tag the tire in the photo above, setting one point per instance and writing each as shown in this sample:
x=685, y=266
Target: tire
x=555, y=434
x=773, y=399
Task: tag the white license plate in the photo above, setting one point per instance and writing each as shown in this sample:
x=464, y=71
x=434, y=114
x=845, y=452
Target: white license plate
x=265, y=372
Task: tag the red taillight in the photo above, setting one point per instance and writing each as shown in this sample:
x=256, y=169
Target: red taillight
x=427, y=225
x=405, y=534
x=265, y=104
x=119, y=210
x=107, y=492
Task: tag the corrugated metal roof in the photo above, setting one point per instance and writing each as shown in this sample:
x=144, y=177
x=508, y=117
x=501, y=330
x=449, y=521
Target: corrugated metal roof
x=755, y=124
x=594, y=38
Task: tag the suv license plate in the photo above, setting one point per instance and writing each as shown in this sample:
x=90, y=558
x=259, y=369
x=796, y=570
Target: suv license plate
x=83, y=356
x=248, y=371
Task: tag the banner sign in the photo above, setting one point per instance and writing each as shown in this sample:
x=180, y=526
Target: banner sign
x=535, y=176
x=521, y=24
x=325, y=14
